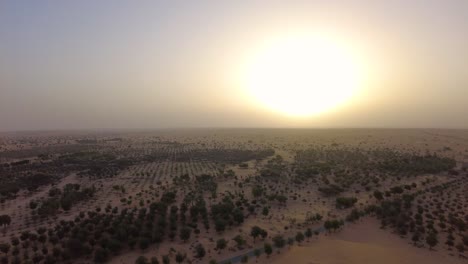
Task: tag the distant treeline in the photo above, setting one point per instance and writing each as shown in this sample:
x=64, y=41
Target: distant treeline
x=10, y=186
x=233, y=156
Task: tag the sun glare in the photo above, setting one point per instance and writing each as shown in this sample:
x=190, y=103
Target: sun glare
x=303, y=75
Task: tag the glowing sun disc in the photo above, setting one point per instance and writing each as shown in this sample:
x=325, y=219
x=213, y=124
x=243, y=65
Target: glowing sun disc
x=302, y=76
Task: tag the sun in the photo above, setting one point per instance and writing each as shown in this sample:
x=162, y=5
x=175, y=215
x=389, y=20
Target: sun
x=303, y=75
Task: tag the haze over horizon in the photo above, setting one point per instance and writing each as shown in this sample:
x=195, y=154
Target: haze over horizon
x=158, y=64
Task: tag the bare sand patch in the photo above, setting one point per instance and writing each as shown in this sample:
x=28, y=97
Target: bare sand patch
x=360, y=243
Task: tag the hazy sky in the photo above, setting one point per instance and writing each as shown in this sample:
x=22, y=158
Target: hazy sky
x=157, y=64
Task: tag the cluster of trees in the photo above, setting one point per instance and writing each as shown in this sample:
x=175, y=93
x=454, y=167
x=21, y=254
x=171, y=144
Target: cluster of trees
x=310, y=170
x=257, y=231
x=278, y=197
x=274, y=168
x=72, y=194
x=32, y=175
x=197, y=208
x=181, y=180
x=278, y=242
x=119, y=188
x=9, y=186
x=310, y=217
x=19, y=163
x=226, y=213
x=64, y=199
x=95, y=233
x=413, y=164
x=100, y=234
x=5, y=220
x=345, y=202
x=341, y=161
x=331, y=190
x=206, y=183
x=95, y=164
x=257, y=191
x=395, y=190
x=354, y=165
x=354, y=215
x=424, y=225
x=395, y=213
x=86, y=141
x=233, y=156
x=243, y=165
x=165, y=259
x=333, y=224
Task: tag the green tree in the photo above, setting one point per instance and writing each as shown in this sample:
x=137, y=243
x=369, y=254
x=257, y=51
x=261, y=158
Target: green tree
x=415, y=238
x=432, y=240
x=199, y=251
x=144, y=243
x=265, y=211
x=465, y=240
x=460, y=247
x=268, y=249
x=240, y=241
x=101, y=255
x=185, y=233
x=15, y=241
x=328, y=225
x=345, y=202
x=238, y=216
x=279, y=241
x=257, y=253
x=166, y=259
x=114, y=246
x=180, y=257
x=257, y=191
x=220, y=224
x=255, y=232
x=299, y=237
x=378, y=195
x=221, y=243
x=5, y=248
x=141, y=260
x=308, y=233
x=290, y=241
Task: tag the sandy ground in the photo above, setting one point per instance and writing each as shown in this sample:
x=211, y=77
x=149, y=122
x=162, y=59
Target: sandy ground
x=360, y=243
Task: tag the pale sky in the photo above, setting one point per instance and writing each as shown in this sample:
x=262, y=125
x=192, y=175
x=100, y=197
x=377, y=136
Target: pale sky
x=162, y=64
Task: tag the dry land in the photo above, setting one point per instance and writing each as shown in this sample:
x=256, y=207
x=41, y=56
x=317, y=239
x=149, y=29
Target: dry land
x=234, y=195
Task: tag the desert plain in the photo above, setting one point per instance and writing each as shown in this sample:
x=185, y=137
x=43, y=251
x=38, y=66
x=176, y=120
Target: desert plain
x=234, y=196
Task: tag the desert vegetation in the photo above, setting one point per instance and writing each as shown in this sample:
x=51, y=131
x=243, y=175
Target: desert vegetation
x=225, y=198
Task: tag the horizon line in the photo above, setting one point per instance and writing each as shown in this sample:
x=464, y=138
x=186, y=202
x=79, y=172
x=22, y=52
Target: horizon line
x=224, y=128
